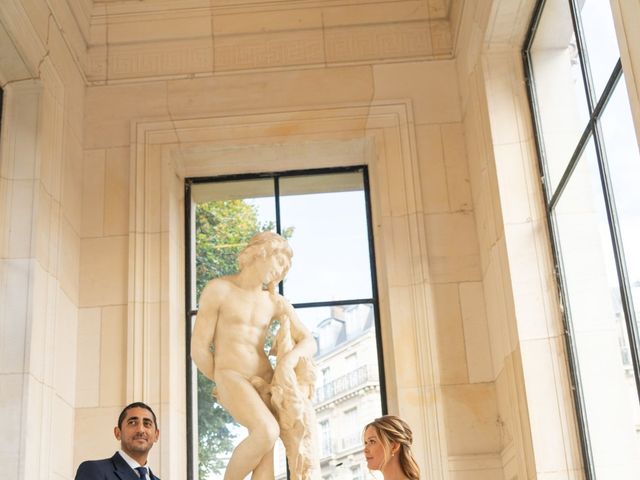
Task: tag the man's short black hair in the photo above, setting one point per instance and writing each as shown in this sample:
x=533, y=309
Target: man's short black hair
x=123, y=414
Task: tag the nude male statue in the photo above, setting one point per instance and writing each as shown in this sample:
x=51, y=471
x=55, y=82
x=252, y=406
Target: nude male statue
x=234, y=315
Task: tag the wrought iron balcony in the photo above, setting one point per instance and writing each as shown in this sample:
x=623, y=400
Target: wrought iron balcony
x=345, y=383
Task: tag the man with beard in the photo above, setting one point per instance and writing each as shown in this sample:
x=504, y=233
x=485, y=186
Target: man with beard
x=137, y=431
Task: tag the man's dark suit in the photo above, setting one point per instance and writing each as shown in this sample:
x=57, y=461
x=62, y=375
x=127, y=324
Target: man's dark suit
x=114, y=468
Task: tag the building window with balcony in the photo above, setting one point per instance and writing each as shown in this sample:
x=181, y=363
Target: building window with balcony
x=325, y=215
x=590, y=169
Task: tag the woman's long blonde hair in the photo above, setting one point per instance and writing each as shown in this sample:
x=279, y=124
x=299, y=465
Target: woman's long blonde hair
x=392, y=429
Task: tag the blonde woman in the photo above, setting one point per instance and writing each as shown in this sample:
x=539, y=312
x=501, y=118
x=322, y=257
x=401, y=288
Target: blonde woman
x=387, y=447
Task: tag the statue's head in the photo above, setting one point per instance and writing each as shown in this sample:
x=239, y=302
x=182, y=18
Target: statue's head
x=268, y=245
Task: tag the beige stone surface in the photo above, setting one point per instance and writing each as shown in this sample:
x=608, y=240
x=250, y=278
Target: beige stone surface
x=116, y=191
x=431, y=163
x=41, y=318
x=476, y=335
x=161, y=28
x=103, y=270
x=506, y=97
x=15, y=275
x=155, y=356
x=429, y=85
x=287, y=90
x=89, y=422
x=453, y=251
x=93, y=187
x=533, y=287
x=43, y=233
x=539, y=358
x=69, y=260
x=55, y=251
x=66, y=326
x=37, y=438
x=497, y=313
x=400, y=299
x=71, y=195
x=88, y=358
x=398, y=11
x=19, y=161
x=266, y=50
x=62, y=428
x=476, y=467
x=450, y=334
x=267, y=21
x=20, y=230
x=373, y=42
x=402, y=199
x=113, y=356
x=471, y=416
x=10, y=408
x=39, y=15
x=109, y=110
x=52, y=139
x=455, y=160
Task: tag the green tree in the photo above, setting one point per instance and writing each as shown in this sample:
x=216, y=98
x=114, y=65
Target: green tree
x=223, y=228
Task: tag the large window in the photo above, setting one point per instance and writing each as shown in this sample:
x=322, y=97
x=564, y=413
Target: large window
x=325, y=216
x=590, y=168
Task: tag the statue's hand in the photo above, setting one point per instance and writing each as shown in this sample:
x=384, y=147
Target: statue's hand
x=289, y=360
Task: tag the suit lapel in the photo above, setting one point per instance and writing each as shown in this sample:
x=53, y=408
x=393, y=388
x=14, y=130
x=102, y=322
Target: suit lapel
x=122, y=469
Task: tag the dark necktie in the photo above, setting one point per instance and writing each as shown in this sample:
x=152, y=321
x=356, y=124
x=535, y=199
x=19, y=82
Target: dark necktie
x=142, y=471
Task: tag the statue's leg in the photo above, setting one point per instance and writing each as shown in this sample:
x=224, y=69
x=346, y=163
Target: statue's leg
x=254, y=453
x=264, y=470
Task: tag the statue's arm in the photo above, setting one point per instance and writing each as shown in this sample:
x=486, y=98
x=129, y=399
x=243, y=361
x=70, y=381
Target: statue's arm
x=205, y=328
x=305, y=344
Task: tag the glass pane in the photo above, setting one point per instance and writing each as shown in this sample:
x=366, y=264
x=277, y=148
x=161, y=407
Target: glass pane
x=562, y=104
x=347, y=386
x=623, y=159
x=598, y=323
x=227, y=215
x=600, y=39
x=326, y=215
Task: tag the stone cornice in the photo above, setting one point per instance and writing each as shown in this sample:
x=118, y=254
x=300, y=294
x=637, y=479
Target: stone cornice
x=124, y=10
x=135, y=41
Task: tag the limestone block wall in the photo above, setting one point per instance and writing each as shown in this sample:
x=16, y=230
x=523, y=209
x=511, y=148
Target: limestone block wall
x=40, y=226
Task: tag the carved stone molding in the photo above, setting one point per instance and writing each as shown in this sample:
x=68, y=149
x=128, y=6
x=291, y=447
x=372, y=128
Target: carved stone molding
x=144, y=40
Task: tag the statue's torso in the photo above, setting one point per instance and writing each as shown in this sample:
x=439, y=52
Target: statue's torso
x=243, y=321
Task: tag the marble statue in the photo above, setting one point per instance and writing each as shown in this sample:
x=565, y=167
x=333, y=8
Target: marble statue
x=227, y=346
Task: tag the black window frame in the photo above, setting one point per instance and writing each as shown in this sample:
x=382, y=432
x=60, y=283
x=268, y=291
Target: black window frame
x=592, y=130
x=191, y=308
